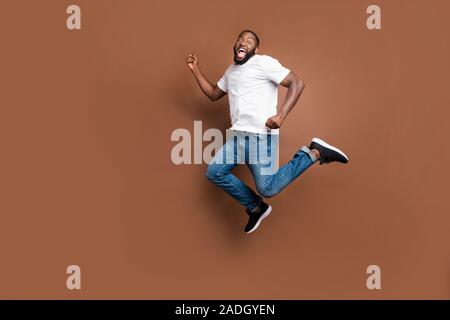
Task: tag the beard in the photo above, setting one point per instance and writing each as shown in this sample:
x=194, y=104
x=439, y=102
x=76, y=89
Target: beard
x=248, y=55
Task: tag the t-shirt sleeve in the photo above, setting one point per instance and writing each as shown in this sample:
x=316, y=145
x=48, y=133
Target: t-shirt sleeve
x=274, y=70
x=223, y=83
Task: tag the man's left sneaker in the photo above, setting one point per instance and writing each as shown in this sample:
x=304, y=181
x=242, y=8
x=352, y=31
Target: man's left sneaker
x=328, y=153
x=255, y=218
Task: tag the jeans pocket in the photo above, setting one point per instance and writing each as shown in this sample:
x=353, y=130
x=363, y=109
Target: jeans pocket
x=254, y=138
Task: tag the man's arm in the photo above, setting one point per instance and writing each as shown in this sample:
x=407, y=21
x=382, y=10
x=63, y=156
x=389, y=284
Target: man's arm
x=212, y=91
x=295, y=88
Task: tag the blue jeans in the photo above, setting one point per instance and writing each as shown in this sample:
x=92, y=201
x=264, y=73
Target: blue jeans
x=260, y=153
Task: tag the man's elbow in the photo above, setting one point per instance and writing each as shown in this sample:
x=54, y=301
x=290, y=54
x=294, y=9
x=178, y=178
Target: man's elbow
x=214, y=94
x=297, y=83
x=300, y=84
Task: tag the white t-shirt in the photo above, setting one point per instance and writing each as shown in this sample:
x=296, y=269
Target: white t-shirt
x=253, y=92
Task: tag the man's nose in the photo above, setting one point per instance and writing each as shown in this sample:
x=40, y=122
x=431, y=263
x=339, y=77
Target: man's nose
x=243, y=44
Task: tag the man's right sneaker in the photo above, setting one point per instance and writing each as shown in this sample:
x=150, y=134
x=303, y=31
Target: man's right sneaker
x=328, y=153
x=255, y=218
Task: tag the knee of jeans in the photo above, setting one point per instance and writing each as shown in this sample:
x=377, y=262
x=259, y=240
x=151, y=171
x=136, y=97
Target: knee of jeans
x=213, y=173
x=266, y=192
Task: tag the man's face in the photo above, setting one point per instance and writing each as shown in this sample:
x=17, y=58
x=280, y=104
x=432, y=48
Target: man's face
x=244, y=48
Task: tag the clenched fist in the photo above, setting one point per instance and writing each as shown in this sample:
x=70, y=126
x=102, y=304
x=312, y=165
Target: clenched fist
x=274, y=122
x=192, y=61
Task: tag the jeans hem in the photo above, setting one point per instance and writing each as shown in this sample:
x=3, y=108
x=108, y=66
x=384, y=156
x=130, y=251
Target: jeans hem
x=306, y=150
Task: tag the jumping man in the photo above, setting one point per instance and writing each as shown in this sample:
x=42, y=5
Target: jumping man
x=252, y=85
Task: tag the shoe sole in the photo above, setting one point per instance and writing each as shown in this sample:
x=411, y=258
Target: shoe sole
x=264, y=215
x=329, y=146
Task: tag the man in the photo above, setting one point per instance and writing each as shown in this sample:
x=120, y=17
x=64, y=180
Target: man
x=252, y=86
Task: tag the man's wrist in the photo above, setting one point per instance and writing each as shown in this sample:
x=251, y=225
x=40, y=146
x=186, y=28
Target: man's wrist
x=195, y=70
x=282, y=115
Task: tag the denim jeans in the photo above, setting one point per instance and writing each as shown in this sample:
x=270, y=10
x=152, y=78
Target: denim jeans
x=260, y=153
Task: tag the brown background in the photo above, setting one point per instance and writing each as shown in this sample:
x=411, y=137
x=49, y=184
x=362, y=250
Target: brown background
x=87, y=179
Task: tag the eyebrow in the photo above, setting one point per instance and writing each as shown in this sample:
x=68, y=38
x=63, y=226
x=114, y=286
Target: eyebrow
x=251, y=37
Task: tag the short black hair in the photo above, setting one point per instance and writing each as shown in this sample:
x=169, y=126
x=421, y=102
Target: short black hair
x=253, y=33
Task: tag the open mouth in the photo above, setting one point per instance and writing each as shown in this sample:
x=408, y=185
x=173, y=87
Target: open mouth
x=241, y=53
